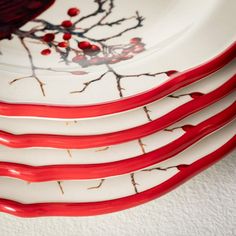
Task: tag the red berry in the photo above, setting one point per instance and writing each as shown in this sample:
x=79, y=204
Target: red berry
x=73, y=11
x=67, y=36
x=66, y=23
x=46, y=52
x=196, y=95
x=92, y=50
x=48, y=37
x=95, y=48
x=84, y=45
x=78, y=58
x=63, y=44
x=135, y=40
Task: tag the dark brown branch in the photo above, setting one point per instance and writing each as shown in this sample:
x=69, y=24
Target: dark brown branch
x=159, y=168
x=86, y=84
x=60, y=187
x=183, y=127
x=192, y=95
x=118, y=84
x=107, y=51
x=118, y=79
x=69, y=153
x=33, y=75
x=137, y=25
x=99, y=23
x=146, y=110
x=172, y=129
x=117, y=22
x=48, y=26
x=167, y=168
x=133, y=182
x=142, y=146
x=177, y=96
x=145, y=74
x=99, y=10
x=102, y=149
x=99, y=185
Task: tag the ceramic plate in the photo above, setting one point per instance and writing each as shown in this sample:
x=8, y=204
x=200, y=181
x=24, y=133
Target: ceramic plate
x=123, y=66
x=129, y=157
x=82, y=142
x=179, y=104
x=80, y=198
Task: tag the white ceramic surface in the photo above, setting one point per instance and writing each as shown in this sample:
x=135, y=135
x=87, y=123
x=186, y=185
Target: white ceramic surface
x=47, y=156
x=177, y=35
x=125, y=120
x=116, y=187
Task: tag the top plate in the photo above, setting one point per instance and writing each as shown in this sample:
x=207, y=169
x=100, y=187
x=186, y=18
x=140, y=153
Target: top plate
x=108, y=57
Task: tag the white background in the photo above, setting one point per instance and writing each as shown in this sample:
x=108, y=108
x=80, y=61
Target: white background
x=206, y=205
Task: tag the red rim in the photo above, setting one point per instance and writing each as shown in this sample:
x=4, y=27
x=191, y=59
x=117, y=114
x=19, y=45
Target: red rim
x=104, y=207
x=91, y=141
x=176, y=81
x=93, y=171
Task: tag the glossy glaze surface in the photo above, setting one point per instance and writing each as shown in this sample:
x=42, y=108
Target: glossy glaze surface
x=145, y=80
x=181, y=100
x=68, y=199
x=154, y=149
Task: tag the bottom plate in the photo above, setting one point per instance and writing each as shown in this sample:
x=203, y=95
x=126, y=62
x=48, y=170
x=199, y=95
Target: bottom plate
x=93, y=197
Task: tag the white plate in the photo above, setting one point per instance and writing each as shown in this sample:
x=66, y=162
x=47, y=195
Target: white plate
x=82, y=142
x=112, y=188
x=125, y=120
x=124, y=151
x=178, y=35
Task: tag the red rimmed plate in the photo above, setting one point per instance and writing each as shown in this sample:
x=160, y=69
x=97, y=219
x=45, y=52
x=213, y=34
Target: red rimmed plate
x=96, y=89
x=84, y=198
x=179, y=104
x=156, y=148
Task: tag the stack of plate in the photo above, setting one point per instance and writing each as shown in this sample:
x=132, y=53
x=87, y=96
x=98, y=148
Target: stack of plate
x=108, y=104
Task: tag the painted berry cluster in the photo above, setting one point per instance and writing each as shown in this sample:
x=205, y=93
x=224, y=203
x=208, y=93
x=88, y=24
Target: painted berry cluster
x=90, y=52
x=74, y=46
